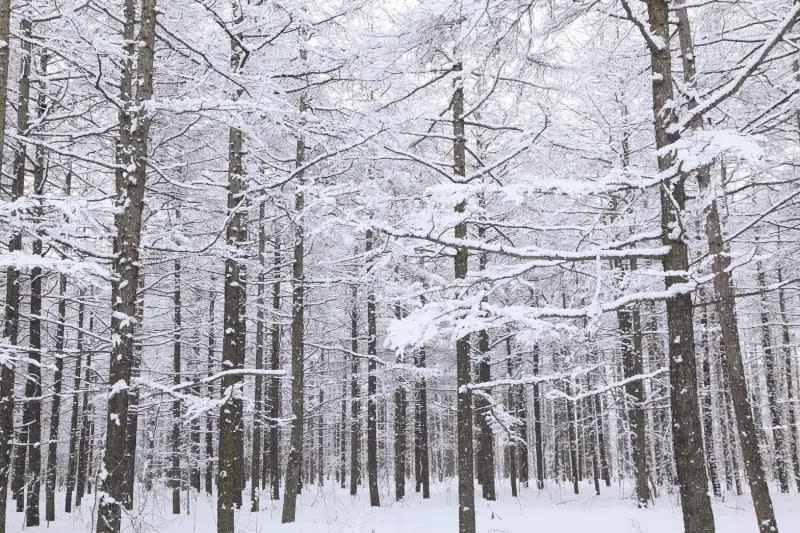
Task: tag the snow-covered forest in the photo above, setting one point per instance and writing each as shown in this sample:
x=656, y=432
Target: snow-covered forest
x=377, y=266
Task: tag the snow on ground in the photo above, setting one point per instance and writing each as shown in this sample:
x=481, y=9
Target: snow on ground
x=331, y=510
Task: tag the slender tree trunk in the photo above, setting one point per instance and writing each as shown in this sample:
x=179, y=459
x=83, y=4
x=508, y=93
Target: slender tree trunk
x=537, y=422
x=209, y=481
x=629, y=323
x=771, y=373
x=400, y=447
x=32, y=410
x=175, y=472
x=372, y=390
x=275, y=384
x=355, y=396
x=258, y=393
x=230, y=416
x=343, y=428
x=421, y=435
x=293, y=464
x=708, y=412
x=129, y=201
x=464, y=452
x=84, y=455
x=726, y=310
x=11, y=314
x=72, y=466
x=20, y=153
x=55, y=411
x=786, y=350
x=687, y=430
x=572, y=438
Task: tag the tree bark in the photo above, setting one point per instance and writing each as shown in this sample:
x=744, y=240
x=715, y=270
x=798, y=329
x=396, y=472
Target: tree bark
x=129, y=201
x=258, y=393
x=274, y=386
x=175, y=471
x=230, y=416
x=72, y=466
x=726, y=310
x=355, y=396
x=464, y=452
x=786, y=350
x=687, y=433
x=11, y=313
x=372, y=389
x=293, y=464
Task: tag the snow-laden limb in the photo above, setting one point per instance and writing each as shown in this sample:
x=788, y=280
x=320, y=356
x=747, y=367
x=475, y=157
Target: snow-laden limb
x=709, y=101
x=535, y=253
x=556, y=393
x=26, y=262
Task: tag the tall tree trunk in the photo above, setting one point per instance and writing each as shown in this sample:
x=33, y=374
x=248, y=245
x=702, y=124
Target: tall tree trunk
x=786, y=350
x=175, y=459
x=464, y=452
x=355, y=396
x=129, y=201
x=708, y=411
x=400, y=447
x=11, y=313
x=20, y=154
x=687, y=432
x=629, y=323
x=84, y=455
x=275, y=364
x=209, y=481
x=726, y=310
x=421, y=434
x=293, y=464
x=55, y=408
x=32, y=410
x=230, y=416
x=372, y=389
x=485, y=436
x=258, y=393
x=771, y=373
x=572, y=437
x=537, y=422
x=72, y=465
x=343, y=428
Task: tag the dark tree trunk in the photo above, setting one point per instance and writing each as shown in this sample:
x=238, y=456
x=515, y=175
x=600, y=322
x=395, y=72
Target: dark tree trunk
x=687, y=431
x=258, y=393
x=293, y=464
x=629, y=323
x=786, y=350
x=84, y=444
x=129, y=201
x=175, y=471
x=572, y=438
x=355, y=397
x=464, y=452
x=372, y=389
x=133, y=401
x=537, y=423
x=32, y=410
x=233, y=324
x=11, y=316
x=275, y=384
x=209, y=481
x=708, y=413
x=55, y=412
x=726, y=310
x=74, y=436
x=771, y=374
x=421, y=430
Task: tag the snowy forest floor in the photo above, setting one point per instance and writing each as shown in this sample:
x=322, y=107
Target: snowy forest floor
x=330, y=509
